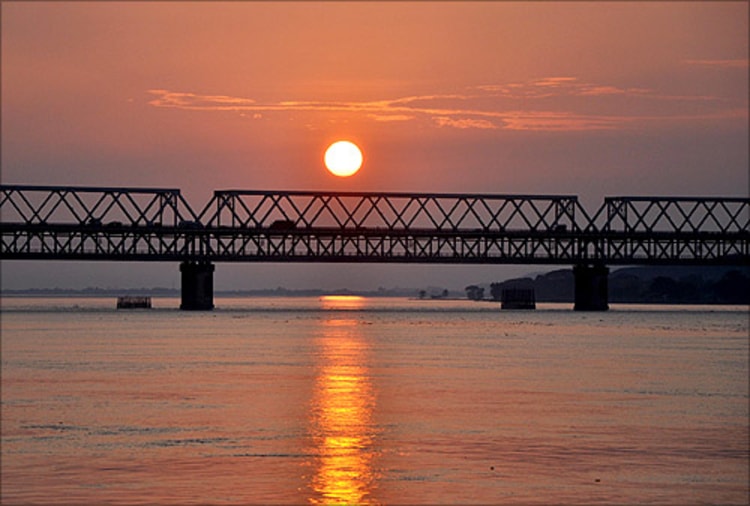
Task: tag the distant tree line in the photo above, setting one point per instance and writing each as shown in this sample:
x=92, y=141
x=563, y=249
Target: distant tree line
x=443, y=294
x=732, y=288
x=675, y=285
x=474, y=292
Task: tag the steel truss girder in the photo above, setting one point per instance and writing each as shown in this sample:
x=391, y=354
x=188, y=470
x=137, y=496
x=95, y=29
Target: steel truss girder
x=126, y=245
x=389, y=211
x=673, y=214
x=238, y=226
x=361, y=247
x=678, y=248
x=93, y=207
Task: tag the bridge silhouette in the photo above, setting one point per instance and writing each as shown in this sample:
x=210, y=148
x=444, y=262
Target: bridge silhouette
x=155, y=224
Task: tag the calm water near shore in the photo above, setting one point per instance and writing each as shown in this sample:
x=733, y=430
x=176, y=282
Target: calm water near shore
x=372, y=401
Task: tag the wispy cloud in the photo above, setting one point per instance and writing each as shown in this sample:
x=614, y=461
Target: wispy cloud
x=445, y=121
x=560, y=103
x=554, y=82
x=560, y=122
x=201, y=102
x=558, y=87
x=390, y=117
x=737, y=63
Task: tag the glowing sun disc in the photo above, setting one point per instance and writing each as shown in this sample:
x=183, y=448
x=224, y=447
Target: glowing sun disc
x=343, y=158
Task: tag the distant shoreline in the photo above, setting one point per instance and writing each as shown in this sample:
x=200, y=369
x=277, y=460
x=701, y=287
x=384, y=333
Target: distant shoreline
x=634, y=285
x=166, y=292
x=61, y=294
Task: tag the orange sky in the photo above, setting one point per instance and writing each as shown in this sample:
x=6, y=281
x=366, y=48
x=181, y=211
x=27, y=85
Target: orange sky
x=586, y=98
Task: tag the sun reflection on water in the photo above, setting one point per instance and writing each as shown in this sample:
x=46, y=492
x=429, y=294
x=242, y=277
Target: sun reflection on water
x=341, y=302
x=341, y=416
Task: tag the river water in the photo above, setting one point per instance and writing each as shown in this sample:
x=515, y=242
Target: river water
x=372, y=401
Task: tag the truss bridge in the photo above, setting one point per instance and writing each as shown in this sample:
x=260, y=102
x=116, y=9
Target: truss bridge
x=153, y=224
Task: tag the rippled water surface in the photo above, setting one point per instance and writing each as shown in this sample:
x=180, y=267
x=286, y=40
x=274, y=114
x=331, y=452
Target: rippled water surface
x=381, y=401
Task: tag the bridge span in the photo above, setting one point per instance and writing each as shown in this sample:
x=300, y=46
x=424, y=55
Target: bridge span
x=156, y=224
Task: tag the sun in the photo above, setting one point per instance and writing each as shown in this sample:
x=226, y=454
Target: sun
x=343, y=158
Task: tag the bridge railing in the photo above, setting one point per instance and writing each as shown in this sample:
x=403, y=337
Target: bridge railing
x=93, y=207
x=396, y=212
x=652, y=215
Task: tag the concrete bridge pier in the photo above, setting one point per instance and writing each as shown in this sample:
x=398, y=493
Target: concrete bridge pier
x=197, y=286
x=591, y=288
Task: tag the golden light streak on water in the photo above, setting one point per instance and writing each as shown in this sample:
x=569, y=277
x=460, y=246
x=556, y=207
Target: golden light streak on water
x=341, y=413
x=342, y=302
